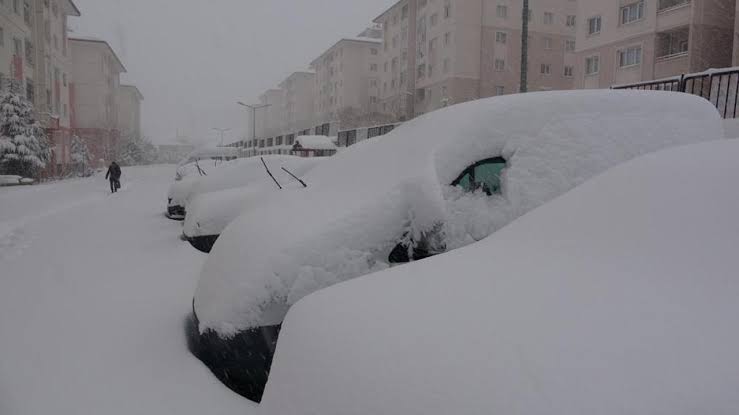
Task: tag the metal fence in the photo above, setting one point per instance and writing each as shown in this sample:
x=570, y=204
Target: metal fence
x=720, y=87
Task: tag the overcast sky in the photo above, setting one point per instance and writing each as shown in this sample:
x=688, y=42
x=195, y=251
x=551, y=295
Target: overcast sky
x=193, y=59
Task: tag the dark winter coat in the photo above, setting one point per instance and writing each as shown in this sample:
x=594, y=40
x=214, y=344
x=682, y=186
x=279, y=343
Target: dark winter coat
x=114, y=172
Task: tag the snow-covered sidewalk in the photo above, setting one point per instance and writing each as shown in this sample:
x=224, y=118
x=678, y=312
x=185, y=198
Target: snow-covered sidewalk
x=94, y=289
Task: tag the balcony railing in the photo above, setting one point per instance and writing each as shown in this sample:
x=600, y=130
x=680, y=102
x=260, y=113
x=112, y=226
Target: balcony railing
x=664, y=5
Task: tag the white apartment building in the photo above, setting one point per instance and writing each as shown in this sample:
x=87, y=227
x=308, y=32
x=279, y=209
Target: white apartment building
x=638, y=40
x=17, y=46
x=298, y=97
x=129, y=110
x=347, y=82
x=441, y=52
x=95, y=81
x=271, y=119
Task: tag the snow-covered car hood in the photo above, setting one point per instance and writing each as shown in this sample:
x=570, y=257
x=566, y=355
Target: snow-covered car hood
x=619, y=297
x=365, y=200
x=237, y=173
x=209, y=213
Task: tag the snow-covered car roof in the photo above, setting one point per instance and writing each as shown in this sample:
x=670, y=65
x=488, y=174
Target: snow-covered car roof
x=205, y=153
x=316, y=142
x=240, y=173
x=365, y=200
x=619, y=297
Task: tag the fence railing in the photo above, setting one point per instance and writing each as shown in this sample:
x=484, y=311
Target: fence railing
x=720, y=87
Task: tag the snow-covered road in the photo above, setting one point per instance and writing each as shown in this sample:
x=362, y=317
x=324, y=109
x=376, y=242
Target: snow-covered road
x=94, y=289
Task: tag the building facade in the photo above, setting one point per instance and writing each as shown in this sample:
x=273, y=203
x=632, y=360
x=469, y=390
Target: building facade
x=297, y=103
x=638, y=40
x=441, y=52
x=34, y=53
x=95, y=81
x=129, y=111
x=347, y=82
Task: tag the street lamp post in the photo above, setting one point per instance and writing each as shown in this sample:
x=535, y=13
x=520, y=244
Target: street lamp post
x=222, y=130
x=525, y=47
x=254, y=109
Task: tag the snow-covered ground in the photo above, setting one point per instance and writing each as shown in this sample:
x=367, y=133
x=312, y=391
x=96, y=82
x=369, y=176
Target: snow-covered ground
x=94, y=289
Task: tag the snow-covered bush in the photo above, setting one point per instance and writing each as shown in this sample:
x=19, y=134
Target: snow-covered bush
x=24, y=149
x=81, y=157
x=135, y=150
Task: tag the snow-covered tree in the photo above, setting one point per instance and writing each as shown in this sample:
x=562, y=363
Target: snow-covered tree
x=135, y=150
x=24, y=150
x=80, y=156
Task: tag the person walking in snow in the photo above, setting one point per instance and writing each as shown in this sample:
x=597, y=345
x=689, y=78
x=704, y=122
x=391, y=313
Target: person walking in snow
x=114, y=175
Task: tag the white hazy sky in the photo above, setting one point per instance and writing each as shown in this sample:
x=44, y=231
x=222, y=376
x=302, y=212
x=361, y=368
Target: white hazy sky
x=193, y=59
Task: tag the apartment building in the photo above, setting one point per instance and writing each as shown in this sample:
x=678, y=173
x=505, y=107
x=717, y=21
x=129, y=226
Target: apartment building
x=17, y=46
x=347, y=82
x=298, y=100
x=271, y=119
x=637, y=40
x=95, y=81
x=129, y=110
x=34, y=53
x=441, y=52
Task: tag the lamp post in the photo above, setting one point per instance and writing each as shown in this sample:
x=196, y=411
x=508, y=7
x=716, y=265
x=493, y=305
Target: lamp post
x=525, y=47
x=222, y=130
x=254, y=109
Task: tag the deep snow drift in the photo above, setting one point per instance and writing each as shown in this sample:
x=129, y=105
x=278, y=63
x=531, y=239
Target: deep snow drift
x=93, y=290
x=366, y=199
x=620, y=297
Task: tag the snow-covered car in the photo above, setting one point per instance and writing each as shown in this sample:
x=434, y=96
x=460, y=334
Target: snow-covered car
x=11, y=180
x=208, y=214
x=619, y=297
x=229, y=175
x=437, y=183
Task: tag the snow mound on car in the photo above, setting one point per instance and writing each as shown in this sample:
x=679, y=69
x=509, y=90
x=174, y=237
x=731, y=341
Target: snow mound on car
x=366, y=199
x=619, y=297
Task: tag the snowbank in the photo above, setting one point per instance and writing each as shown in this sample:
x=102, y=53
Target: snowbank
x=207, y=153
x=620, y=297
x=365, y=200
x=6, y=180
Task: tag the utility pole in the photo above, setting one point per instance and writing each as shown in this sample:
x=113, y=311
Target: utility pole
x=254, y=109
x=222, y=130
x=525, y=47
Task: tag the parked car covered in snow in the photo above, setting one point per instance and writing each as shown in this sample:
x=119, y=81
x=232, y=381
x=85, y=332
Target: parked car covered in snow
x=209, y=213
x=619, y=297
x=236, y=173
x=437, y=183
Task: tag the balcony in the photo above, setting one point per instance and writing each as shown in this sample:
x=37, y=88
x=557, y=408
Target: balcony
x=672, y=52
x=673, y=13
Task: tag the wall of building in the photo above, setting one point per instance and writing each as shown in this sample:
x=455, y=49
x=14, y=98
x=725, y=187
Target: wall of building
x=96, y=80
x=14, y=27
x=298, y=101
x=129, y=111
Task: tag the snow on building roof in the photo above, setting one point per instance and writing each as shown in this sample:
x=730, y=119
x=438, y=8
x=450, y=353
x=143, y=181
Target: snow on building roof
x=316, y=142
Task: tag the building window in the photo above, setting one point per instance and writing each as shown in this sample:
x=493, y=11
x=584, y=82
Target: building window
x=2, y=36
x=447, y=38
x=548, y=18
x=29, y=52
x=404, y=12
x=499, y=90
x=30, y=92
x=592, y=65
x=673, y=43
x=632, y=12
x=546, y=69
x=571, y=21
x=421, y=71
x=64, y=79
x=17, y=7
x=629, y=56
x=373, y=52
x=569, y=71
x=373, y=67
x=501, y=37
x=17, y=47
x=446, y=65
x=500, y=65
x=502, y=11
x=447, y=10
x=434, y=19
x=548, y=43
x=27, y=13
x=570, y=45
x=594, y=25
